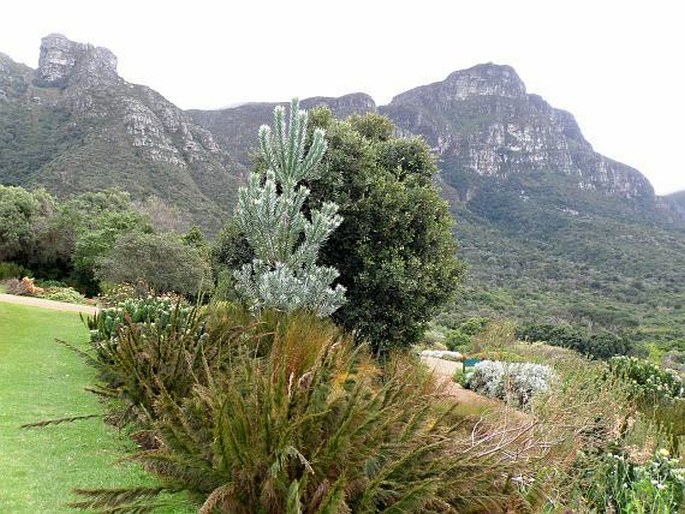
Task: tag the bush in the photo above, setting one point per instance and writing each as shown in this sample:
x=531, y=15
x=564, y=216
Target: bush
x=301, y=420
x=23, y=287
x=515, y=382
x=112, y=295
x=591, y=412
x=602, y=345
x=675, y=361
x=461, y=337
x=162, y=261
x=12, y=270
x=649, y=382
x=659, y=393
x=46, y=284
x=15, y=286
x=147, y=348
x=152, y=309
x=138, y=347
x=619, y=485
x=63, y=294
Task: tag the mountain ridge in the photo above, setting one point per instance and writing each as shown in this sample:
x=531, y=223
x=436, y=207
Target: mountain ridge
x=116, y=134
x=501, y=147
x=550, y=228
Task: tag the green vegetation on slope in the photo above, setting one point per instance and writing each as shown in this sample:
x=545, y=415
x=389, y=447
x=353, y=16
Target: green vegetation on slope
x=540, y=250
x=41, y=380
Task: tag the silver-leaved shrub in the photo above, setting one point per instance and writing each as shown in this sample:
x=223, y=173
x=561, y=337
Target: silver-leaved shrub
x=515, y=382
x=284, y=275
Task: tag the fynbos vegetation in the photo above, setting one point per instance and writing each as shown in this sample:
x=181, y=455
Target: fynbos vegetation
x=284, y=273
x=272, y=368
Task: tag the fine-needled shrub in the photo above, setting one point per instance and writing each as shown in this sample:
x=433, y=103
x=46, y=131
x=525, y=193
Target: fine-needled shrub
x=142, y=353
x=304, y=421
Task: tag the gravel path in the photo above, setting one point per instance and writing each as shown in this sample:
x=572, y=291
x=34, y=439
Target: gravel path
x=441, y=366
x=47, y=304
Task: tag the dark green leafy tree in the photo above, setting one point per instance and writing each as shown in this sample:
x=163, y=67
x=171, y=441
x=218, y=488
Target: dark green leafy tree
x=195, y=238
x=394, y=249
x=20, y=213
x=98, y=219
x=600, y=345
x=230, y=250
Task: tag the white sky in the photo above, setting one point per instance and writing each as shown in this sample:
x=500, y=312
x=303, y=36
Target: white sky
x=616, y=65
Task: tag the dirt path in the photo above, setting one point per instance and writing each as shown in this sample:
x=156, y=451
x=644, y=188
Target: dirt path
x=444, y=370
x=47, y=304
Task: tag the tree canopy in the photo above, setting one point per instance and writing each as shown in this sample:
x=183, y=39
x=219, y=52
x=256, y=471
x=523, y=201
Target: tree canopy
x=163, y=261
x=394, y=249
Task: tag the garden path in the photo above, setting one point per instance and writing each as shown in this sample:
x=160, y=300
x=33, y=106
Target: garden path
x=444, y=371
x=47, y=304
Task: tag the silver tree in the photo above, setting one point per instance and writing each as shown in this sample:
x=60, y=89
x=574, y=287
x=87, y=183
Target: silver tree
x=284, y=274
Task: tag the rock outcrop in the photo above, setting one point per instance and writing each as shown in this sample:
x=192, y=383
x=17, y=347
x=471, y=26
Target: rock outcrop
x=482, y=120
x=63, y=62
x=96, y=131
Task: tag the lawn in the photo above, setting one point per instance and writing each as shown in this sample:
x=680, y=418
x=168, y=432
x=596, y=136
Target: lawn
x=40, y=379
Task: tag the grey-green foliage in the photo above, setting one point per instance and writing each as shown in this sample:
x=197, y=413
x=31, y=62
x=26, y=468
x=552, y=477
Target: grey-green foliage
x=286, y=243
x=163, y=261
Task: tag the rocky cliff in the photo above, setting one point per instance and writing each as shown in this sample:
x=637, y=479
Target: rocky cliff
x=109, y=133
x=74, y=124
x=550, y=229
x=675, y=202
x=63, y=62
x=482, y=121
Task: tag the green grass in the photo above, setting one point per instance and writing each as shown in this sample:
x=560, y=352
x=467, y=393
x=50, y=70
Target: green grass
x=40, y=379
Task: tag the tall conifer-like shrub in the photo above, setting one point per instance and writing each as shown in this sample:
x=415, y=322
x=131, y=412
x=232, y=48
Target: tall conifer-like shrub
x=286, y=243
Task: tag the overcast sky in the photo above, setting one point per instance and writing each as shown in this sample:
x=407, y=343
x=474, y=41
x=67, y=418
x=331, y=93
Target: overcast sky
x=616, y=65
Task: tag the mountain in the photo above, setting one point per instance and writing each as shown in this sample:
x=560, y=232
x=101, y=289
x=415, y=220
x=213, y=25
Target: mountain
x=235, y=128
x=676, y=202
x=549, y=228
x=483, y=123
x=74, y=125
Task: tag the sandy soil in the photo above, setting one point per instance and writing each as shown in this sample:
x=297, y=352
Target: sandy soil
x=47, y=304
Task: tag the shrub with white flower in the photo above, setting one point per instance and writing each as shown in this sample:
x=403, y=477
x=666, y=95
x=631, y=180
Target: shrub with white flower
x=648, y=380
x=515, y=382
x=657, y=486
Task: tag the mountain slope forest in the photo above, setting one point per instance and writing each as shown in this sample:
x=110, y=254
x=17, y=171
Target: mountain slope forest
x=549, y=230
